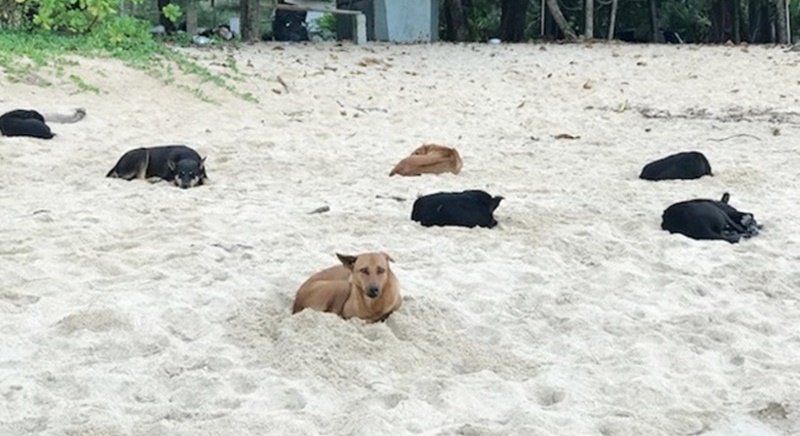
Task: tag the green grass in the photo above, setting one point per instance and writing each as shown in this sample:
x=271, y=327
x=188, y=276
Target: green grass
x=83, y=86
x=23, y=54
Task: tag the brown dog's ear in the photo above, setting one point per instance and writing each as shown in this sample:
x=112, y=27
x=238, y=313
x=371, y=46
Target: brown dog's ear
x=347, y=261
x=422, y=149
x=388, y=258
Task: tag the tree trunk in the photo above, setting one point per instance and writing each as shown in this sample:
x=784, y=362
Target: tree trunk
x=249, y=18
x=558, y=17
x=589, y=20
x=780, y=21
x=613, y=21
x=512, y=20
x=753, y=21
x=458, y=21
x=653, y=21
x=759, y=22
x=543, y=17
x=716, y=31
x=725, y=21
x=191, y=17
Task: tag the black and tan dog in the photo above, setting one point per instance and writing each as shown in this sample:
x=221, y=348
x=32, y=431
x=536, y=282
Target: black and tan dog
x=178, y=164
x=25, y=122
x=362, y=287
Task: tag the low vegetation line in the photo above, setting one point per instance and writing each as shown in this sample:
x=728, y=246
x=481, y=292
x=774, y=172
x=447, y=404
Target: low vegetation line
x=24, y=53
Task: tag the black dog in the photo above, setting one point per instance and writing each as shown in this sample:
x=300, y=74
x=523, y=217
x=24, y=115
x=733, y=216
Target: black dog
x=222, y=31
x=289, y=26
x=686, y=165
x=466, y=209
x=628, y=35
x=175, y=163
x=24, y=123
x=671, y=36
x=709, y=219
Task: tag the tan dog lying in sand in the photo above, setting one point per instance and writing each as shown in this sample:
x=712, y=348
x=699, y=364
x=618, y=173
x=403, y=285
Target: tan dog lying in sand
x=362, y=286
x=429, y=159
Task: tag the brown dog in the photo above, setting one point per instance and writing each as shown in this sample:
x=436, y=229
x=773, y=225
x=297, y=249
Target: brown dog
x=429, y=159
x=362, y=286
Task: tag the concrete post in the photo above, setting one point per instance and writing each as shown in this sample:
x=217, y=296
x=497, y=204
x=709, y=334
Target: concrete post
x=360, y=29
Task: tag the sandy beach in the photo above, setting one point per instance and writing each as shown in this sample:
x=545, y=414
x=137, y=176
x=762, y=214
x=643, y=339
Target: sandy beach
x=131, y=308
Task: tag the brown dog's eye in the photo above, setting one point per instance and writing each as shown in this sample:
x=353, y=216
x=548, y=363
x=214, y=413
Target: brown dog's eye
x=381, y=270
x=364, y=270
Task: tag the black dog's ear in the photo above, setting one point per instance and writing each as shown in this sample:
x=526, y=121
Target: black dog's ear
x=496, y=202
x=725, y=198
x=171, y=165
x=347, y=261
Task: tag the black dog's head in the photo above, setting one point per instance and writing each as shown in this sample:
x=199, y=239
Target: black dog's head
x=187, y=173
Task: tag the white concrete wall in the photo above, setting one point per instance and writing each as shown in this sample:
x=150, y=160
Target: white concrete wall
x=406, y=21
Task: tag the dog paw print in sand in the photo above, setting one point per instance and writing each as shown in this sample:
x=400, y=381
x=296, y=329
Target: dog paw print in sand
x=548, y=396
x=186, y=324
x=391, y=400
x=292, y=399
x=93, y=320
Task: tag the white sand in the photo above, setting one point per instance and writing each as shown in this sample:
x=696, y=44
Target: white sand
x=135, y=309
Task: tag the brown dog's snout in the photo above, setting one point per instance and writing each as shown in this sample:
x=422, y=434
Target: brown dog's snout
x=373, y=291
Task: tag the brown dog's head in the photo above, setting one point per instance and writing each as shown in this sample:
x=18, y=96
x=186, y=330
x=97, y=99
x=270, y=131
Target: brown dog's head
x=370, y=271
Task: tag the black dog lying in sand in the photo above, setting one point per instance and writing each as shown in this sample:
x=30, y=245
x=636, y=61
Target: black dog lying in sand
x=686, y=165
x=175, y=163
x=466, y=209
x=22, y=122
x=709, y=219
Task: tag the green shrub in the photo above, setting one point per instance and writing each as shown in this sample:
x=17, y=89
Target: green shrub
x=117, y=34
x=327, y=23
x=172, y=12
x=77, y=16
